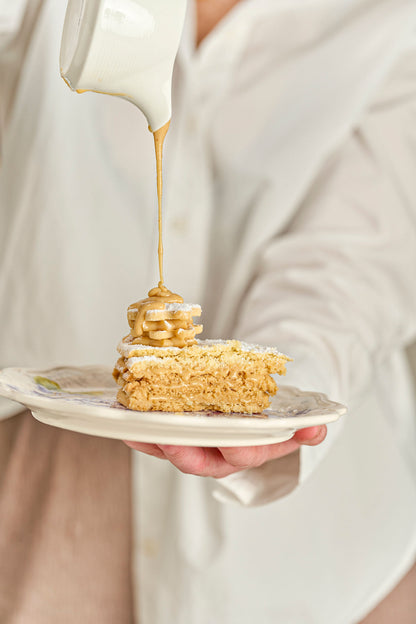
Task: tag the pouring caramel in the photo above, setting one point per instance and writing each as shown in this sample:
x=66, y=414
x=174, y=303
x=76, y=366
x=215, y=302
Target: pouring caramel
x=162, y=319
x=159, y=139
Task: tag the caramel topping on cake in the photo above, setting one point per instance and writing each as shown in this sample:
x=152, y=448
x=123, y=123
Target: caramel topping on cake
x=163, y=320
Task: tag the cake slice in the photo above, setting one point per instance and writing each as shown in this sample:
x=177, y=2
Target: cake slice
x=164, y=367
x=225, y=376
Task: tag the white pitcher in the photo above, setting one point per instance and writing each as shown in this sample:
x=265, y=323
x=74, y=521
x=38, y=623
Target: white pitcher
x=125, y=48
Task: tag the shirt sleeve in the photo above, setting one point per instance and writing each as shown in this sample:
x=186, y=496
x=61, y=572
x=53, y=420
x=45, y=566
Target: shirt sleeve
x=337, y=289
x=17, y=20
x=12, y=13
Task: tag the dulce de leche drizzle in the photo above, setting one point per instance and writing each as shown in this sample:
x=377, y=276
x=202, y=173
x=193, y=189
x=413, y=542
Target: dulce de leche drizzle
x=162, y=319
x=159, y=139
x=156, y=300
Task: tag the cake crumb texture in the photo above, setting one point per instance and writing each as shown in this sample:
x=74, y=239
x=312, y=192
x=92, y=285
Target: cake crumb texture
x=225, y=376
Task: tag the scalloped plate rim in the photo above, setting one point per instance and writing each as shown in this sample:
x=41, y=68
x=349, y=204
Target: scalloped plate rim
x=189, y=420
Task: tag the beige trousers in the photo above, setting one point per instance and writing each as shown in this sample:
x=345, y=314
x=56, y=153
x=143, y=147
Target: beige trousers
x=65, y=531
x=400, y=605
x=65, y=528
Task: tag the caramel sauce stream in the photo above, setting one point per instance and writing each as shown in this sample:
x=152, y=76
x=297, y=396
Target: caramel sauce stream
x=178, y=332
x=159, y=139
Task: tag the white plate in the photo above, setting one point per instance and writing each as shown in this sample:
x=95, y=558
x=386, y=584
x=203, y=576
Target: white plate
x=83, y=399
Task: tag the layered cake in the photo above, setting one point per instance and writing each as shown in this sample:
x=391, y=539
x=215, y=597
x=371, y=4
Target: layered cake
x=162, y=366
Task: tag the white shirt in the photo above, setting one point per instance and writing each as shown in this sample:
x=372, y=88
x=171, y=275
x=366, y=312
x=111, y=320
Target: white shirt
x=290, y=216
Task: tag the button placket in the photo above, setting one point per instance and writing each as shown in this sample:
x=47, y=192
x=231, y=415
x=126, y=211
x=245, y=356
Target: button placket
x=187, y=222
x=203, y=76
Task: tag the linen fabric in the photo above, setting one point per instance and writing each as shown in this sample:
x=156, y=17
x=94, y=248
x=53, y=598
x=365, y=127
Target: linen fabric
x=289, y=214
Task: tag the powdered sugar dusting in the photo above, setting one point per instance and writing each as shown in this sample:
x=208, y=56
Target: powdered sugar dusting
x=245, y=346
x=126, y=348
x=175, y=307
x=145, y=358
x=183, y=307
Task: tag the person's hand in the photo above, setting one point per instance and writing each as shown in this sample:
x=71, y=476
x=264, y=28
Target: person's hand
x=220, y=462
